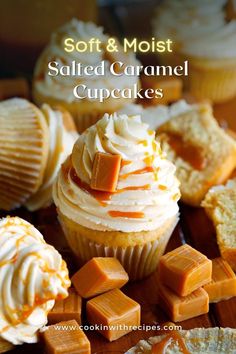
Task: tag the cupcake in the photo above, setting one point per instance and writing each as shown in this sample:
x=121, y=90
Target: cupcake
x=63, y=135
x=116, y=195
x=202, y=36
x=33, y=144
x=24, y=145
x=34, y=277
x=59, y=89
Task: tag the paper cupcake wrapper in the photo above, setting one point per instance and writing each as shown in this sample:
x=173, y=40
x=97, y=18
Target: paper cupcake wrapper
x=139, y=261
x=5, y=346
x=84, y=121
x=217, y=83
x=23, y=151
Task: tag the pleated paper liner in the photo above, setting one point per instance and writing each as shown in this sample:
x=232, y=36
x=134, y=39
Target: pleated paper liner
x=138, y=260
x=23, y=151
x=43, y=197
x=5, y=346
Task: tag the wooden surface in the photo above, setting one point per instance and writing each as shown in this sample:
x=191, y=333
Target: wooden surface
x=194, y=226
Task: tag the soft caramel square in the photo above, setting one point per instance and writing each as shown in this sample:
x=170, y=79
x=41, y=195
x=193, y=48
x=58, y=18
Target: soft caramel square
x=184, y=270
x=66, y=309
x=223, y=284
x=113, y=309
x=99, y=275
x=181, y=308
x=105, y=173
x=66, y=338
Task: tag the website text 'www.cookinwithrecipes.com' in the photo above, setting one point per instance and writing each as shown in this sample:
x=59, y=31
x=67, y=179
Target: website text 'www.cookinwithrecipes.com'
x=119, y=327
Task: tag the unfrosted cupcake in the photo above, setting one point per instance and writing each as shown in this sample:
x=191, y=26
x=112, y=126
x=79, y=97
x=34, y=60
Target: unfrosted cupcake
x=33, y=144
x=202, y=36
x=134, y=221
x=59, y=89
x=63, y=135
x=34, y=277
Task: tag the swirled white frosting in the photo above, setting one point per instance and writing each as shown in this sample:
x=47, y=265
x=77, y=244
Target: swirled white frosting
x=33, y=275
x=146, y=186
x=61, y=87
x=61, y=143
x=155, y=116
x=199, y=27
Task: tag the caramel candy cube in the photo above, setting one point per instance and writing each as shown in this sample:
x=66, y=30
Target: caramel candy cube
x=66, y=338
x=105, y=173
x=99, y=275
x=223, y=284
x=14, y=87
x=66, y=309
x=181, y=308
x=171, y=86
x=115, y=312
x=185, y=270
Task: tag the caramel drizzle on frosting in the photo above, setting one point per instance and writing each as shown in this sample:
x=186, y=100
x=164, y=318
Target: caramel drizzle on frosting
x=174, y=336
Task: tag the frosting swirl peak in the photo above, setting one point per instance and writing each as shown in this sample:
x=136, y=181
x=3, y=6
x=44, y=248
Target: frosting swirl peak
x=33, y=276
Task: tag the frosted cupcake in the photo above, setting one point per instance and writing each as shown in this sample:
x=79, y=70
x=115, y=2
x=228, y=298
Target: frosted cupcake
x=34, y=277
x=133, y=219
x=59, y=89
x=33, y=144
x=203, y=36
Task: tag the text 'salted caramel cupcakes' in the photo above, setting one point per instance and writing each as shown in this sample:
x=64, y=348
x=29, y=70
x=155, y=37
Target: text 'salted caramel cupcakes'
x=33, y=144
x=117, y=194
x=58, y=89
x=24, y=141
x=34, y=277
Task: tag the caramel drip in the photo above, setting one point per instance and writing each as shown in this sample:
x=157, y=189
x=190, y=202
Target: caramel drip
x=146, y=169
x=134, y=188
x=126, y=214
x=174, y=336
x=187, y=151
x=101, y=197
x=125, y=163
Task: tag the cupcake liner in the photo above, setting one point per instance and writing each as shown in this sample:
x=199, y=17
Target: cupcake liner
x=138, y=260
x=84, y=121
x=214, y=80
x=5, y=346
x=23, y=151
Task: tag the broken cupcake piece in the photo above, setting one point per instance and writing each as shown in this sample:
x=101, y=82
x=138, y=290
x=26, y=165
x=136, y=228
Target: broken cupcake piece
x=220, y=206
x=99, y=275
x=66, y=309
x=115, y=312
x=204, y=154
x=105, y=173
x=35, y=276
x=223, y=284
x=184, y=270
x=65, y=337
x=181, y=308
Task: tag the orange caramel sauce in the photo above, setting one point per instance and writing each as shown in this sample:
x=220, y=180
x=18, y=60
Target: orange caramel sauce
x=188, y=152
x=101, y=197
x=146, y=169
x=174, y=336
x=126, y=214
